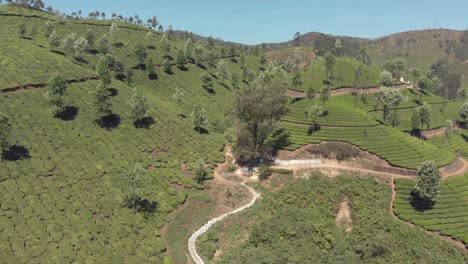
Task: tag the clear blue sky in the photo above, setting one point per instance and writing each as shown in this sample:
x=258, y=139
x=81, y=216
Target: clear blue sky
x=256, y=21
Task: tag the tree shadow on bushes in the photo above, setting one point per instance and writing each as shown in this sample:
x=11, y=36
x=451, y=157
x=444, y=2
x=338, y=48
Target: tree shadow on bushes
x=201, y=130
x=58, y=52
x=68, y=114
x=113, y=92
x=419, y=203
x=15, y=153
x=313, y=129
x=153, y=76
x=183, y=68
x=145, y=122
x=201, y=66
x=142, y=205
x=110, y=121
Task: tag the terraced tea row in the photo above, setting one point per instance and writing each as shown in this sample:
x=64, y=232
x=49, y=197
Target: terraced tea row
x=396, y=147
x=448, y=215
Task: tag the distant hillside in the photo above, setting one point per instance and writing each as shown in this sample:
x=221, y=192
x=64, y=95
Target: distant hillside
x=419, y=43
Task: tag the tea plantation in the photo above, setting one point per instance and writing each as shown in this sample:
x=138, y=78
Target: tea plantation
x=447, y=216
x=61, y=185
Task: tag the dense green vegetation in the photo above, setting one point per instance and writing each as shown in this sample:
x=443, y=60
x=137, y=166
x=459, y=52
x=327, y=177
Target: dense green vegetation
x=447, y=215
x=344, y=72
x=61, y=183
x=297, y=225
x=135, y=119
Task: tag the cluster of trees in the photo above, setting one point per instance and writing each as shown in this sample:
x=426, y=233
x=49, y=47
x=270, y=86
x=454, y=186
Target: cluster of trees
x=258, y=107
x=390, y=98
x=34, y=4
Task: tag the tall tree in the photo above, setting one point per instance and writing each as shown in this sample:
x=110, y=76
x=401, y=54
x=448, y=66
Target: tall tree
x=235, y=79
x=389, y=98
x=416, y=73
x=463, y=112
x=297, y=80
x=113, y=32
x=178, y=95
x=129, y=74
x=102, y=69
x=104, y=44
x=425, y=112
x=138, y=107
x=5, y=132
x=81, y=47
x=207, y=82
x=102, y=102
x=140, y=53
x=90, y=37
x=54, y=41
x=313, y=112
x=33, y=30
x=167, y=66
x=222, y=70
x=165, y=45
x=415, y=120
x=133, y=181
x=311, y=92
x=181, y=59
x=22, y=30
x=424, y=85
x=258, y=107
x=199, y=171
x=325, y=94
x=385, y=79
x=188, y=48
x=55, y=92
x=428, y=184
x=49, y=28
x=199, y=54
x=69, y=44
x=330, y=62
x=150, y=68
x=199, y=117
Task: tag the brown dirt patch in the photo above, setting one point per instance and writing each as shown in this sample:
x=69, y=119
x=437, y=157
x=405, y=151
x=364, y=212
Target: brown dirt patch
x=343, y=218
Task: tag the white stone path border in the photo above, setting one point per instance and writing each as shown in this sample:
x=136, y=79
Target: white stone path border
x=193, y=239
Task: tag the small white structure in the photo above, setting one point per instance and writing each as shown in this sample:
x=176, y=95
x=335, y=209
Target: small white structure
x=403, y=81
x=297, y=162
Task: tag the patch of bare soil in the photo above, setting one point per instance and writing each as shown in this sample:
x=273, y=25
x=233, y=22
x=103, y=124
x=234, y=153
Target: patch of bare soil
x=343, y=218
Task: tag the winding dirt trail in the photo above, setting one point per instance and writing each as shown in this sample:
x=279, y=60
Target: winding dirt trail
x=193, y=238
x=459, y=167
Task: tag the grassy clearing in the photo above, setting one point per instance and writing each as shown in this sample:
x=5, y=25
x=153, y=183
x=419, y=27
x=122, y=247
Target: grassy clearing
x=449, y=214
x=296, y=224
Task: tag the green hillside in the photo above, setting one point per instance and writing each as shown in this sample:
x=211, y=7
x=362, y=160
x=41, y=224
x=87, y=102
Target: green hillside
x=65, y=196
x=296, y=224
x=60, y=185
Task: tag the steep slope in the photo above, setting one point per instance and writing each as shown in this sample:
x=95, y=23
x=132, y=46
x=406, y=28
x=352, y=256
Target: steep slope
x=61, y=186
